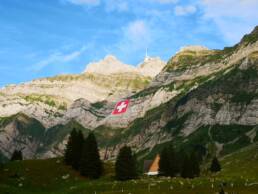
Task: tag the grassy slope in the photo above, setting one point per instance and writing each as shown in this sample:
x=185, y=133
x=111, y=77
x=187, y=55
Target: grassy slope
x=130, y=81
x=242, y=164
x=240, y=173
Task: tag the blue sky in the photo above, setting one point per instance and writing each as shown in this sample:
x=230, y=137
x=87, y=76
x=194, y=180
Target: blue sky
x=44, y=38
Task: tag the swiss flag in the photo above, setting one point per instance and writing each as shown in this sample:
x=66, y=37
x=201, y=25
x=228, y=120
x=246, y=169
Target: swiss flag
x=121, y=107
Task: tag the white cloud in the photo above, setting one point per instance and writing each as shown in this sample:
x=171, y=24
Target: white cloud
x=137, y=31
x=234, y=18
x=184, y=10
x=116, y=5
x=85, y=2
x=137, y=35
x=57, y=57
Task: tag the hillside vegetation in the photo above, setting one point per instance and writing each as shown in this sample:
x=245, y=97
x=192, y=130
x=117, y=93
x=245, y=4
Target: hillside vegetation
x=239, y=175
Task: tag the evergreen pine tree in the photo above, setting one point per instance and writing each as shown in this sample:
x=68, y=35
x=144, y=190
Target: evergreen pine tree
x=90, y=164
x=69, y=151
x=77, y=149
x=164, y=162
x=215, y=165
x=191, y=166
x=17, y=155
x=186, y=167
x=168, y=164
x=195, y=165
x=125, y=166
x=174, y=162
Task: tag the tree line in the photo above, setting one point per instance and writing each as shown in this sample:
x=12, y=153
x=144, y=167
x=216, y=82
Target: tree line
x=83, y=155
x=186, y=165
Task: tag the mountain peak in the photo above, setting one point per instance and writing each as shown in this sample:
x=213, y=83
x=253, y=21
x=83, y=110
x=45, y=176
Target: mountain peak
x=250, y=38
x=110, y=58
x=151, y=66
x=109, y=65
x=193, y=48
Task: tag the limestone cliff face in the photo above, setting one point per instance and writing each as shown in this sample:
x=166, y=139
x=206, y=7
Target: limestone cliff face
x=21, y=133
x=202, y=96
x=213, y=102
x=219, y=115
x=49, y=99
x=87, y=98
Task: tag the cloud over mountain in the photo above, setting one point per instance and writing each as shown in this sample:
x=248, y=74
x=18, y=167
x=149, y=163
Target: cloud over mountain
x=231, y=16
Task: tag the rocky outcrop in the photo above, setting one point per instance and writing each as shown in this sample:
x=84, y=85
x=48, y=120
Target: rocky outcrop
x=150, y=67
x=20, y=133
x=195, y=61
x=221, y=113
x=109, y=65
x=194, y=48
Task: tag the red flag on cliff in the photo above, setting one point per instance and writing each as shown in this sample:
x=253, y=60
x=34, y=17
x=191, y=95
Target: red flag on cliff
x=121, y=107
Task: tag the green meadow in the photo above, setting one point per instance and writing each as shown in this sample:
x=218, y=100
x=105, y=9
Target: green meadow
x=238, y=176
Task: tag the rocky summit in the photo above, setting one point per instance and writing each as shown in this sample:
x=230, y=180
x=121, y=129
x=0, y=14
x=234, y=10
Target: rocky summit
x=151, y=66
x=109, y=65
x=201, y=98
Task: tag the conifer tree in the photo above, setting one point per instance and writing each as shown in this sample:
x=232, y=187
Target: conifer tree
x=125, y=166
x=77, y=150
x=164, y=163
x=17, y=155
x=191, y=166
x=195, y=165
x=90, y=164
x=69, y=151
x=186, y=167
x=168, y=164
x=174, y=162
x=215, y=165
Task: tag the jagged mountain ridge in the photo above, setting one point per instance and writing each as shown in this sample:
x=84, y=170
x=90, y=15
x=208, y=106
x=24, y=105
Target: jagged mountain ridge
x=49, y=99
x=151, y=66
x=168, y=108
x=187, y=118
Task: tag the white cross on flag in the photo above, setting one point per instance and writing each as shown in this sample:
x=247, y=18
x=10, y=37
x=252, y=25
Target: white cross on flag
x=121, y=107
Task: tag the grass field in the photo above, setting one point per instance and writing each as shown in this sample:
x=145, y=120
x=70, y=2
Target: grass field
x=239, y=176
